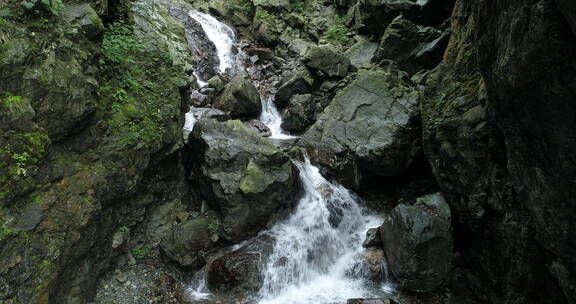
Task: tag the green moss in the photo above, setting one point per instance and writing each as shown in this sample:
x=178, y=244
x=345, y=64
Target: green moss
x=138, y=85
x=140, y=253
x=254, y=181
x=19, y=159
x=337, y=33
x=245, y=7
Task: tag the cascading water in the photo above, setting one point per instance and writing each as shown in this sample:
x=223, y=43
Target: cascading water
x=317, y=249
x=271, y=118
x=318, y=246
x=221, y=35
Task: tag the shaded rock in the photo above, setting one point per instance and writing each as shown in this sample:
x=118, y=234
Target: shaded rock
x=242, y=175
x=84, y=16
x=370, y=128
x=186, y=242
x=327, y=59
x=371, y=17
x=198, y=99
x=299, y=82
x=240, y=271
x=16, y=113
x=418, y=243
x=412, y=47
x=372, y=238
x=373, y=258
x=240, y=98
x=299, y=114
x=434, y=12
x=361, y=53
x=217, y=83
x=259, y=127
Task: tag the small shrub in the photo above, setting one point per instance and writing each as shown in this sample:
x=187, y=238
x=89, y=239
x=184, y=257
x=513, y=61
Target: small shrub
x=337, y=33
x=140, y=253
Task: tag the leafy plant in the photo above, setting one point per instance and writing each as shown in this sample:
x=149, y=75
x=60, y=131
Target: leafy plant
x=337, y=33
x=213, y=227
x=124, y=229
x=140, y=253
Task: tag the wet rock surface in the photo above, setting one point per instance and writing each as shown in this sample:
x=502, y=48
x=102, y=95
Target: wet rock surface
x=242, y=175
x=240, y=98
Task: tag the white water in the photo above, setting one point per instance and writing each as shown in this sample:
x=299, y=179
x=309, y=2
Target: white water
x=221, y=35
x=272, y=119
x=318, y=246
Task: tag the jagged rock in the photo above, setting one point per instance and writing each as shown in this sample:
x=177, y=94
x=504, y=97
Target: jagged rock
x=370, y=128
x=371, y=17
x=186, y=242
x=372, y=238
x=327, y=59
x=240, y=270
x=198, y=99
x=242, y=175
x=17, y=113
x=217, y=83
x=361, y=53
x=298, y=82
x=84, y=16
x=412, y=47
x=299, y=114
x=259, y=127
x=373, y=258
x=240, y=98
x=418, y=243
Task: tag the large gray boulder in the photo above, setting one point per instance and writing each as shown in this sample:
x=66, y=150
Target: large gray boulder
x=412, y=47
x=241, y=174
x=240, y=98
x=300, y=113
x=370, y=128
x=186, y=242
x=371, y=17
x=418, y=243
x=327, y=59
x=300, y=81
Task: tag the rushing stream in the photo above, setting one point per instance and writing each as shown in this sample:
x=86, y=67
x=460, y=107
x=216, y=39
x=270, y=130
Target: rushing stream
x=320, y=243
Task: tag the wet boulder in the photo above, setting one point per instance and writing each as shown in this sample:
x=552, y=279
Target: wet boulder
x=300, y=81
x=241, y=174
x=418, y=243
x=371, y=17
x=412, y=47
x=371, y=128
x=186, y=242
x=240, y=98
x=327, y=59
x=259, y=127
x=372, y=238
x=371, y=301
x=299, y=114
x=240, y=271
x=361, y=53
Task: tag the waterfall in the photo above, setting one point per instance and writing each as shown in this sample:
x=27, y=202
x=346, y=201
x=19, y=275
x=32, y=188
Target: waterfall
x=272, y=119
x=221, y=35
x=317, y=246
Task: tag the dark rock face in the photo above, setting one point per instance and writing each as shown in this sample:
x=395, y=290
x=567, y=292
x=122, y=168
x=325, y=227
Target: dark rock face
x=240, y=98
x=537, y=116
x=299, y=82
x=185, y=242
x=240, y=271
x=371, y=17
x=300, y=113
x=497, y=138
x=370, y=128
x=418, y=243
x=244, y=176
x=327, y=59
x=412, y=47
x=372, y=238
x=371, y=301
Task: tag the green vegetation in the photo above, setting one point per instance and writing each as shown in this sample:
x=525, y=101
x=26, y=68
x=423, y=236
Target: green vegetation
x=140, y=253
x=19, y=158
x=5, y=232
x=213, y=227
x=299, y=6
x=263, y=15
x=124, y=229
x=337, y=33
x=137, y=84
x=245, y=7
